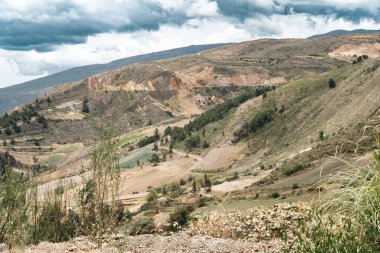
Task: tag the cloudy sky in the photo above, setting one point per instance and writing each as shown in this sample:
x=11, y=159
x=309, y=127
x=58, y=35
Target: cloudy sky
x=41, y=37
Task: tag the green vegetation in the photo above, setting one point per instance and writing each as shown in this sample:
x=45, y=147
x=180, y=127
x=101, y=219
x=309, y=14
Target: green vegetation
x=360, y=59
x=11, y=121
x=332, y=84
x=219, y=112
x=85, y=107
x=261, y=118
x=149, y=139
x=346, y=218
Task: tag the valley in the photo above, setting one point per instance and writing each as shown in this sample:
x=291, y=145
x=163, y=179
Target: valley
x=237, y=128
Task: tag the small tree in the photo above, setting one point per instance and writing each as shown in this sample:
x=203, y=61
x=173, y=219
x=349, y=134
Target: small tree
x=164, y=190
x=12, y=142
x=152, y=196
x=195, y=188
x=154, y=158
x=4, y=143
x=207, y=183
x=8, y=131
x=332, y=84
x=98, y=197
x=155, y=147
x=321, y=135
x=13, y=206
x=171, y=148
x=85, y=107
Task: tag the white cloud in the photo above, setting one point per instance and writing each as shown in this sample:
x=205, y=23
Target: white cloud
x=201, y=22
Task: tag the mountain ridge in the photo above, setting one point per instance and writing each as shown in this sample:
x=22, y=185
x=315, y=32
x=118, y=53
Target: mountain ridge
x=21, y=93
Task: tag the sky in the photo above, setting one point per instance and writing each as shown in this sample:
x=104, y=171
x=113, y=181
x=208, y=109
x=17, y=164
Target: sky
x=41, y=37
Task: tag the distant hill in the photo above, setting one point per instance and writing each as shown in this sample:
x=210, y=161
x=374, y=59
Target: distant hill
x=21, y=93
x=344, y=32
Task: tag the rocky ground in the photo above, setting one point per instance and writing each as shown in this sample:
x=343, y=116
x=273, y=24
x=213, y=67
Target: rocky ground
x=254, y=230
x=179, y=242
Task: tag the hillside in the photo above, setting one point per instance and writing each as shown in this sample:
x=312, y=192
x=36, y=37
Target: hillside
x=344, y=33
x=217, y=136
x=21, y=93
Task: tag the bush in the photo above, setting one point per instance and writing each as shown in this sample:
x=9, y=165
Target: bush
x=152, y=196
x=148, y=140
x=275, y=195
x=85, y=107
x=143, y=225
x=291, y=170
x=154, y=158
x=332, y=84
x=193, y=142
x=180, y=217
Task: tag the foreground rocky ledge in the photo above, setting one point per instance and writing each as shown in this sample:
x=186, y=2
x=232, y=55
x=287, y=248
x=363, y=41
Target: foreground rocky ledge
x=179, y=242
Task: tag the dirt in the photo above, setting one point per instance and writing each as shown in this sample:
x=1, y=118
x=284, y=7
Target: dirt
x=348, y=51
x=240, y=184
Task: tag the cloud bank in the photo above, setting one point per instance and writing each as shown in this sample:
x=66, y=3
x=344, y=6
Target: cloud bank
x=40, y=37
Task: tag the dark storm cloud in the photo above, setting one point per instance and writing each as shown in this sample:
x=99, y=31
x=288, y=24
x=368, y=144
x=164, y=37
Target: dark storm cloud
x=22, y=35
x=244, y=9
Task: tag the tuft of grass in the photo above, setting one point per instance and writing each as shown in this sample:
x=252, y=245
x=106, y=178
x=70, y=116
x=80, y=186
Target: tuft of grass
x=347, y=217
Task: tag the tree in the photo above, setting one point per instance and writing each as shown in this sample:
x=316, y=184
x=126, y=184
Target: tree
x=156, y=134
x=48, y=100
x=12, y=142
x=152, y=196
x=207, y=183
x=155, y=146
x=99, y=194
x=321, y=135
x=85, y=107
x=4, y=143
x=195, y=188
x=332, y=84
x=16, y=128
x=154, y=158
x=13, y=206
x=171, y=148
x=164, y=190
x=8, y=131
x=42, y=120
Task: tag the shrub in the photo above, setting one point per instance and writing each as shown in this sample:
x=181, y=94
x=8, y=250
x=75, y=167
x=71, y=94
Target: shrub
x=293, y=169
x=207, y=183
x=295, y=186
x=234, y=177
x=85, y=107
x=180, y=217
x=182, y=182
x=152, y=196
x=332, y=84
x=141, y=226
x=148, y=140
x=154, y=158
x=193, y=142
x=275, y=195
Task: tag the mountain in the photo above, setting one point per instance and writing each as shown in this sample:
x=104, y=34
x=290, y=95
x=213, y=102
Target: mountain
x=233, y=129
x=21, y=93
x=344, y=32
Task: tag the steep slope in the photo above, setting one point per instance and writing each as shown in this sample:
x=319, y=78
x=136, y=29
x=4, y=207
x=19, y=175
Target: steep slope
x=24, y=92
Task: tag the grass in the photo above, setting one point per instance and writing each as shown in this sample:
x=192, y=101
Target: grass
x=68, y=149
x=53, y=160
x=142, y=156
x=127, y=140
x=346, y=218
